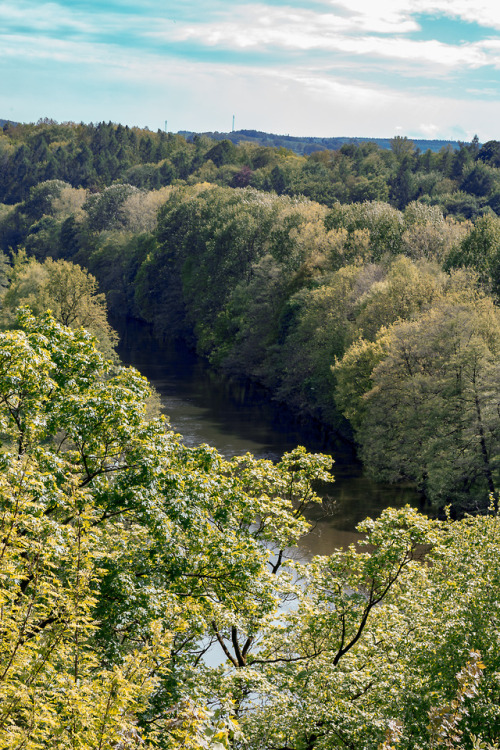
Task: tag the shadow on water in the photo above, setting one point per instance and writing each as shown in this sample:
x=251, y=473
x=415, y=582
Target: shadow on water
x=236, y=417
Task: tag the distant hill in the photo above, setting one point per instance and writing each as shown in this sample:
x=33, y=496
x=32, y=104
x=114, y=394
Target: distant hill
x=5, y=122
x=306, y=145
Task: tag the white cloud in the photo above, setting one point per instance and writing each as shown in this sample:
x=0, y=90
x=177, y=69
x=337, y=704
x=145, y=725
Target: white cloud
x=260, y=25
x=483, y=12
x=429, y=130
x=400, y=12
x=81, y=54
x=57, y=19
x=305, y=97
x=261, y=28
x=359, y=28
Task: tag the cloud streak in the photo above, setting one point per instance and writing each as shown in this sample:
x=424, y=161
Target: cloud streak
x=371, y=57
x=359, y=29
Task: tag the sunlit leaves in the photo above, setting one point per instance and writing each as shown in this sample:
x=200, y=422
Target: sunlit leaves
x=120, y=547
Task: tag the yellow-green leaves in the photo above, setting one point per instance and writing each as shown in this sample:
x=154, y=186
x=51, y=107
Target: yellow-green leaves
x=423, y=400
x=122, y=551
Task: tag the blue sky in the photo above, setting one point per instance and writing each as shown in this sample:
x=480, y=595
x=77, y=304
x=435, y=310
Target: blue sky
x=421, y=68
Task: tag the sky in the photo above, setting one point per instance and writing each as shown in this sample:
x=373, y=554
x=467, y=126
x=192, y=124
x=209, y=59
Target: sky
x=372, y=68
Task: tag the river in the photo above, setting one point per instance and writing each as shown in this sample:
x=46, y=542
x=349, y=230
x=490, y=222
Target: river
x=239, y=417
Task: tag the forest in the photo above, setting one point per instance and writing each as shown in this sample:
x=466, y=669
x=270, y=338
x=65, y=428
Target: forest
x=149, y=597
x=359, y=286
x=307, y=145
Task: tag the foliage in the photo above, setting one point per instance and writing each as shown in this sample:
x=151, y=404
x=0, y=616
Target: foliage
x=480, y=250
x=339, y=671
x=424, y=400
x=117, y=541
x=67, y=290
x=271, y=264
x=149, y=598
x=55, y=689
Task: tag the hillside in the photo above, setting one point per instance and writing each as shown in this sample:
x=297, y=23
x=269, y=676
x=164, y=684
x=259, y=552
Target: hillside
x=147, y=596
x=305, y=145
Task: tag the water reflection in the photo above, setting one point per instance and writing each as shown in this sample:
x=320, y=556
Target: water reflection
x=236, y=418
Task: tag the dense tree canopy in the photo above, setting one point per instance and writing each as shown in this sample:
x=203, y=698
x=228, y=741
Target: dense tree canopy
x=148, y=597
x=97, y=155
x=437, y=376
x=271, y=264
x=117, y=542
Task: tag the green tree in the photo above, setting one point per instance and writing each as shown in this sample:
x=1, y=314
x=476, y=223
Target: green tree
x=427, y=409
x=407, y=289
x=489, y=153
x=480, y=180
x=429, y=235
x=401, y=146
x=55, y=690
x=120, y=549
x=105, y=210
x=480, y=250
x=322, y=330
x=384, y=223
x=69, y=291
x=222, y=153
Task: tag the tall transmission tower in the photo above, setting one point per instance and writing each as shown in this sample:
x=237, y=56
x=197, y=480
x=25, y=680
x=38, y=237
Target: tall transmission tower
x=233, y=123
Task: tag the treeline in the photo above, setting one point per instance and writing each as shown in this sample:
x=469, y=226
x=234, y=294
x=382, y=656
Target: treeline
x=381, y=323
x=379, y=320
x=304, y=145
x=464, y=182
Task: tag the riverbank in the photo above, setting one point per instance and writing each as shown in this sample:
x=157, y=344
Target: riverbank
x=205, y=407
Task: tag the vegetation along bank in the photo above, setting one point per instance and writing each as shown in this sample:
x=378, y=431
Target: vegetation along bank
x=359, y=285
x=147, y=599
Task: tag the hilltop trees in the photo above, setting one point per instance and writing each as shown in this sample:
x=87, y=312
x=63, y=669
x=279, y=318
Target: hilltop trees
x=95, y=156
